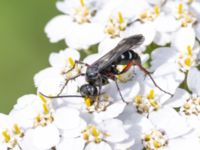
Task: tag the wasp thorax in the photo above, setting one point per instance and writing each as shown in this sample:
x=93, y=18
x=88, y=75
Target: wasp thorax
x=92, y=74
x=88, y=90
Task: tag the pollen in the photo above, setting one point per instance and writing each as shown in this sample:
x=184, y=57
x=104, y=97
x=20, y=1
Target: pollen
x=143, y=15
x=180, y=9
x=147, y=137
x=189, y=50
x=16, y=129
x=42, y=98
x=156, y=144
x=154, y=104
x=82, y=3
x=187, y=106
x=71, y=61
x=6, y=136
x=121, y=67
x=188, y=61
x=189, y=1
x=120, y=18
x=191, y=106
x=95, y=133
x=38, y=118
x=85, y=136
x=157, y=10
x=138, y=99
x=88, y=102
x=45, y=108
x=151, y=94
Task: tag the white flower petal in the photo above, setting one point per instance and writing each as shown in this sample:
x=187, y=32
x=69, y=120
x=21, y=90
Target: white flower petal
x=57, y=27
x=162, y=55
x=111, y=112
x=99, y=146
x=178, y=99
x=193, y=80
x=92, y=58
x=26, y=109
x=85, y=35
x=114, y=128
x=162, y=23
x=43, y=74
x=197, y=30
x=107, y=44
x=168, y=77
x=184, y=37
x=170, y=121
x=67, y=118
x=162, y=38
x=6, y=122
x=147, y=30
x=61, y=58
x=41, y=138
x=184, y=144
x=73, y=144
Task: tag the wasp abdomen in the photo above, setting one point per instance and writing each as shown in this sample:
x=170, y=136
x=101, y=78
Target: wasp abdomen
x=126, y=57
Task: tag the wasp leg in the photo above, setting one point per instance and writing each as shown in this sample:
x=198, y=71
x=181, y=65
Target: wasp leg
x=119, y=91
x=66, y=82
x=76, y=62
x=146, y=72
x=99, y=94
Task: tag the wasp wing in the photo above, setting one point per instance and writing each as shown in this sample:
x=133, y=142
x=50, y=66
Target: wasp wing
x=128, y=43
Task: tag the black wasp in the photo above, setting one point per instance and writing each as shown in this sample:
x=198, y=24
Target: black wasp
x=105, y=68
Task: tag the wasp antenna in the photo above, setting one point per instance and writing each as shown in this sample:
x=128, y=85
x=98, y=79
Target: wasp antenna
x=61, y=96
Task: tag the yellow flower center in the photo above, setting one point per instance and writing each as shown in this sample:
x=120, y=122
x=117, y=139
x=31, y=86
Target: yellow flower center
x=154, y=140
x=82, y=14
x=191, y=107
x=146, y=104
x=6, y=136
x=115, y=26
x=16, y=129
x=92, y=134
x=186, y=59
x=185, y=16
x=150, y=15
x=12, y=136
x=44, y=118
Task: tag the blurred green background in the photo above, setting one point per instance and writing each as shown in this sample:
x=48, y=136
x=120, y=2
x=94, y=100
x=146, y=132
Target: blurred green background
x=24, y=47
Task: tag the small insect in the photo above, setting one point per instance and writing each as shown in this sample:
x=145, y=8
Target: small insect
x=98, y=73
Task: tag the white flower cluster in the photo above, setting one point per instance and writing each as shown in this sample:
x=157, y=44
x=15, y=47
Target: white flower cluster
x=150, y=119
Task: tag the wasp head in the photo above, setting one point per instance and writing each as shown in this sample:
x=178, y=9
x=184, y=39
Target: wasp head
x=88, y=90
